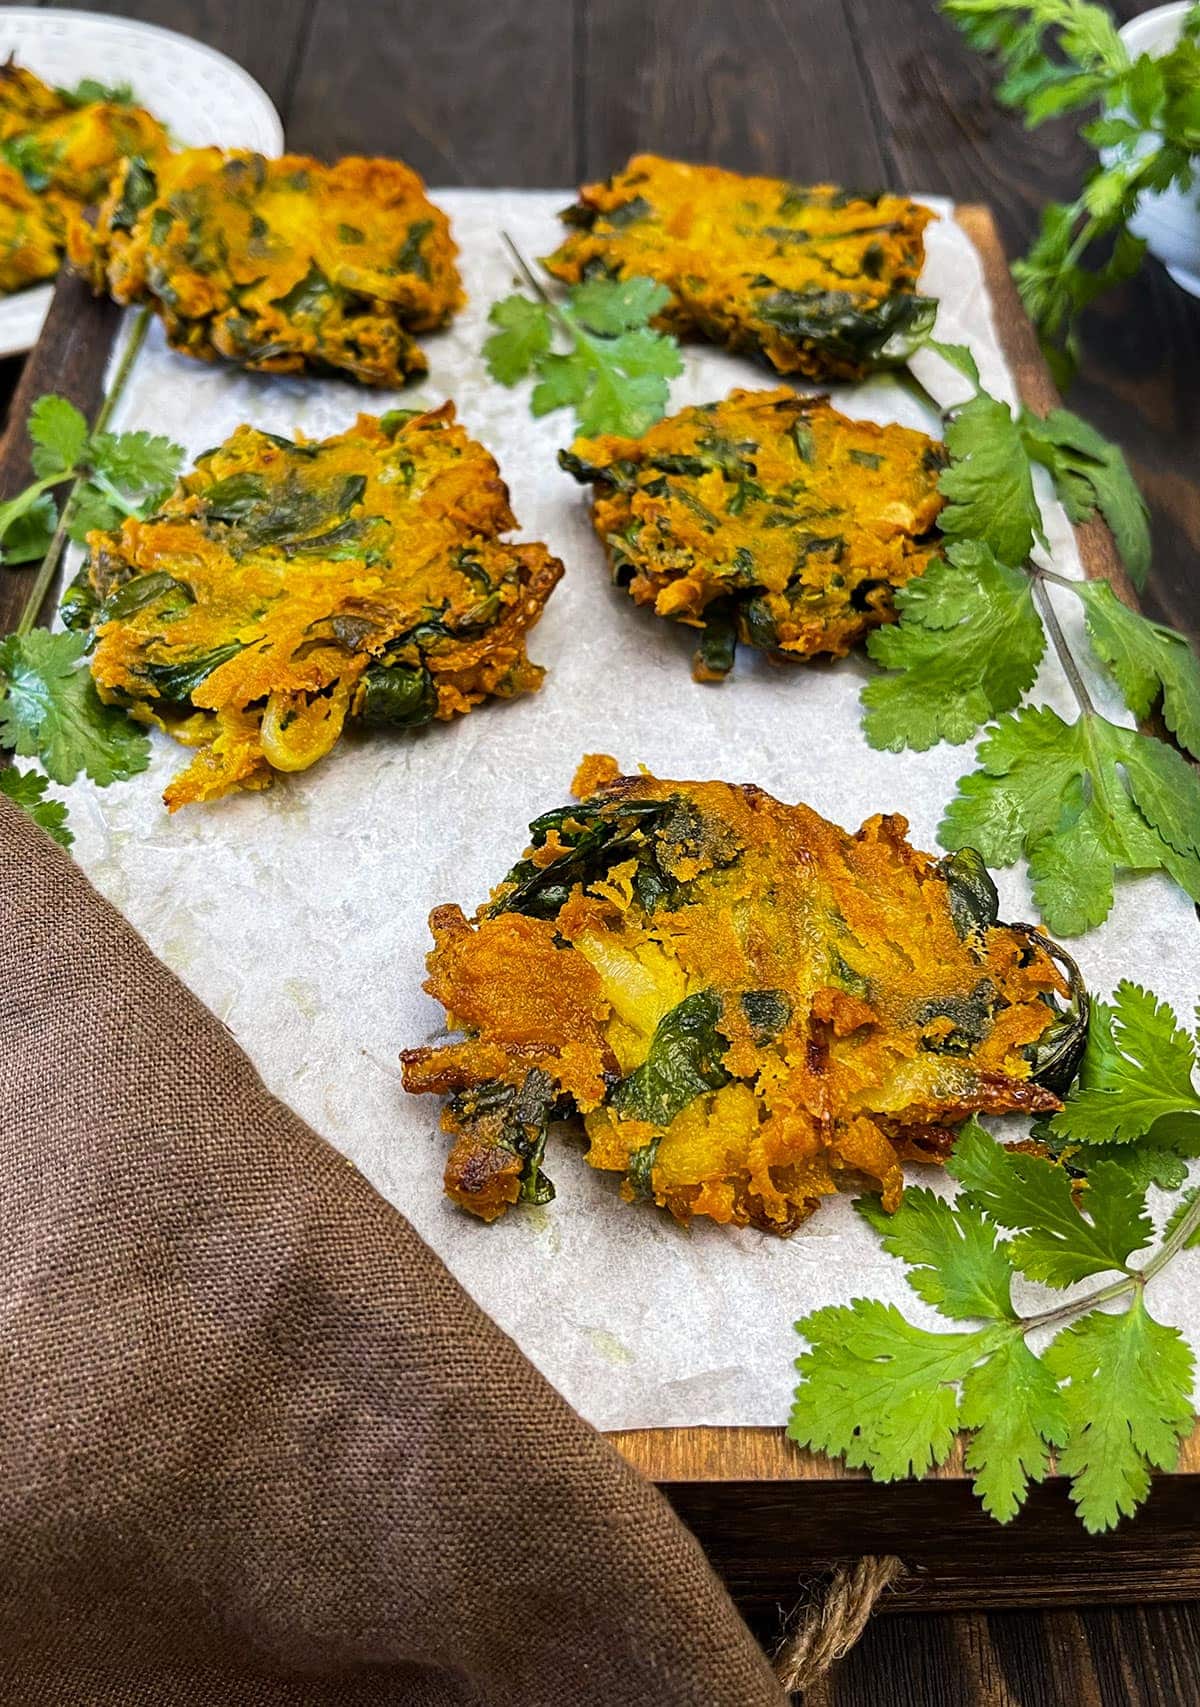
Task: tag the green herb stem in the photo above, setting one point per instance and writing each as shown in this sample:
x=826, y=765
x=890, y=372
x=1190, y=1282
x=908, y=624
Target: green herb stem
x=1059, y=640
x=49, y=567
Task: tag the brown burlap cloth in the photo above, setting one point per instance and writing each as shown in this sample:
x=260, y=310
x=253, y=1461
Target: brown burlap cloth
x=257, y=1446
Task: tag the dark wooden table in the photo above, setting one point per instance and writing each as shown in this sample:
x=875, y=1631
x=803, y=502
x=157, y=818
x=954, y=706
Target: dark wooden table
x=865, y=92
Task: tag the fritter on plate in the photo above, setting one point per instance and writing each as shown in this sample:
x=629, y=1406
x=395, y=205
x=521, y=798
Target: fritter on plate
x=30, y=245
x=814, y=279
x=767, y=518
x=284, y=588
x=748, y=1007
x=283, y=266
x=57, y=155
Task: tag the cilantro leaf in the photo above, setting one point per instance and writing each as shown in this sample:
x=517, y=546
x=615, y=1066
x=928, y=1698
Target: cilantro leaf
x=1147, y=660
x=1054, y=1240
x=615, y=374
x=91, y=511
x=1144, y=1165
x=1081, y=800
x=959, y=356
x=989, y=485
x=955, y=1261
x=50, y=710
x=879, y=1392
x=967, y=646
x=612, y=306
x=1127, y=1393
x=524, y=335
x=1181, y=1213
x=27, y=537
x=1137, y=1076
x=137, y=461
x=59, y=433
x=1013, y=1404
x=27, y=790
x=1090, y=473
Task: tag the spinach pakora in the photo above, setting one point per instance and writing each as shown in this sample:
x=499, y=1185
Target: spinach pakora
x=768, y=518
x=58, y=151
x=748, y=1007
x=816, y=280
x=283, y=266
x=287, y=587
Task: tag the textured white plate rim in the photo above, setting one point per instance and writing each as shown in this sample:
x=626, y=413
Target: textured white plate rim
x=21, y=316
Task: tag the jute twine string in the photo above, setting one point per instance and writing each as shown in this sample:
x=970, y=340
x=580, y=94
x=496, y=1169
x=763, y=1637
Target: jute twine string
x=832, y=1620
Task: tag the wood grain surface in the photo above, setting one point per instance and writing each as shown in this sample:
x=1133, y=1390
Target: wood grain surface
x=550, y=92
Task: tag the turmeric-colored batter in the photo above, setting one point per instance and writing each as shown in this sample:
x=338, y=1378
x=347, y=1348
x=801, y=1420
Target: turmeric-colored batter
x=286, y=587
x=747, y=1007
x=768, y=518
x=816, y=280
x=283, y=266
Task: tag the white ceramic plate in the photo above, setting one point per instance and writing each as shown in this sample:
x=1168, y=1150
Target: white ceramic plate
x=200, y=95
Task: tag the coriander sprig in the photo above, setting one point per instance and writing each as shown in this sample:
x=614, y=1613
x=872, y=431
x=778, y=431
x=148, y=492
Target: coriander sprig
x=49, y=707
x=1093, y=1383
x=615, y=370
x=1063, y=56
x=1080, y=800
x=1109, y=1396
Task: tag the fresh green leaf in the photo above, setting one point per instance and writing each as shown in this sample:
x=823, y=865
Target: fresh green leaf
x=27, y=537
x=612, y=306
x=956, y=1261
x=967, y=646
x=615, y=373
x=524, y=334
x=1182, y=1213
x=50, y=710
x=988, y=485
x=27, y=790
x=879, y=1392
x=135, y=462
x=1015, y=1408
x=92, y=511
x=1054, y=1241
x=1137, y=1079
x=59, y=433
x=1081, y=800
x=1147, y=660
x=959, y=357
x=1128, y=1398
x=1090, y=474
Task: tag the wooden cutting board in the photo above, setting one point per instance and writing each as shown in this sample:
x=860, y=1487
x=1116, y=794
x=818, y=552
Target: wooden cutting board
x=768, y=1513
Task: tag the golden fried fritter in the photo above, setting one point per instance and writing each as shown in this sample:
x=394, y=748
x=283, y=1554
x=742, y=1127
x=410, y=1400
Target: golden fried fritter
x=283, y=266
x=748, y=1007
x=286, y=587
x=768, y=518
x=816, y=280
x=29, y=241
x=58, y=151
x=82, y=148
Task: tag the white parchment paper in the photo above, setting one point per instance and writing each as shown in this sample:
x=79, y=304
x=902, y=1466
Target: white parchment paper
x=299, y=915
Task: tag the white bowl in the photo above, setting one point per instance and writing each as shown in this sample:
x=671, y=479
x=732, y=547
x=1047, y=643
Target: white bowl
x=1169, y=222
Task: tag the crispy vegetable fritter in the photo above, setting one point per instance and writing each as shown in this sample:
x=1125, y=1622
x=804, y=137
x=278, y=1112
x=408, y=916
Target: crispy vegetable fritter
x=283, y=266
x=30, y=246
x=57, y=155
x=768, y=518
x=748, y=1007
x=286, y=587
x=816, y=280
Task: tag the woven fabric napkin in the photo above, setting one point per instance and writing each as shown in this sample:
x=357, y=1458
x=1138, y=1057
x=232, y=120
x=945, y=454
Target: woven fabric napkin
x=259, y=1446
